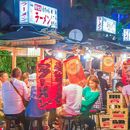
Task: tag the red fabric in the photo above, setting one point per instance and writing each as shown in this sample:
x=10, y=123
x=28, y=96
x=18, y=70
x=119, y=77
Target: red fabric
x=126, y=72
x=49, y=84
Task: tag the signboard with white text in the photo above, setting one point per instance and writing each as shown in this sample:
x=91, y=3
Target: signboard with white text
x=23, y=16
x=38, y=14
x=106, y=25
x=126, y=35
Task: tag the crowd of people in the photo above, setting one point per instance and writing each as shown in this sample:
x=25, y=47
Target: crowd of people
x=77, y=99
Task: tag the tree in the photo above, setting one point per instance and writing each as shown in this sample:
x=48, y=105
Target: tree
x=26, y=64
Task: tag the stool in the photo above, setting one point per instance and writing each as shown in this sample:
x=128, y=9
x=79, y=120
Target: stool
x=78, y=121
x=39, y=123
x=10, y=122
x=94, y=112
x=73, y=121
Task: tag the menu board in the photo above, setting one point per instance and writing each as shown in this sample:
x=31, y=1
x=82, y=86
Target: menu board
x=49, y=83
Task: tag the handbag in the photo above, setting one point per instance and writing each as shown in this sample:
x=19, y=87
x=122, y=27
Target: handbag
x=23, y=100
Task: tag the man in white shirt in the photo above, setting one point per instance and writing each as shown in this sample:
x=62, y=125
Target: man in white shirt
x=12, y=102
x=72, y=96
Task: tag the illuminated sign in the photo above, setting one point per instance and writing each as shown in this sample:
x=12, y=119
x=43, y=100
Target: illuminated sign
x=38, y=14
x=106, y=25
x=126, y=35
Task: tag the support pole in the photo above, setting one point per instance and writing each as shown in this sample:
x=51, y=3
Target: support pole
x=13, y=58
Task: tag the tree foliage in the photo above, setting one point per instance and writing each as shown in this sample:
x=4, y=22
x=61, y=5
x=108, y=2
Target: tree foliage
x=27, y=64
x=5, y=61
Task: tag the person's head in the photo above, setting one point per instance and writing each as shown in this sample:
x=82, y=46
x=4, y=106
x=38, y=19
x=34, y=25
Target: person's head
x=93, y=82
x=25, y=77
x=3, y=76
x=16, y=73
x=99, y=74
x=119, y=86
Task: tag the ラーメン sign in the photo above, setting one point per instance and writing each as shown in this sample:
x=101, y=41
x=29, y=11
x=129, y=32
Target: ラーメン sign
x=35, y=13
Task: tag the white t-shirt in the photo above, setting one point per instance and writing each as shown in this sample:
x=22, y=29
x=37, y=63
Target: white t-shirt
x=73, y=96
x=126, y=90
x=12, y=102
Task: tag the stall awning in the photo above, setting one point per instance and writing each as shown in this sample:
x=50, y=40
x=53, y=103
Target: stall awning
x=26, y=38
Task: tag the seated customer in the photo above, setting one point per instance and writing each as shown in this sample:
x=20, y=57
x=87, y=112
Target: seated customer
x=72, y=96
x=90, y=96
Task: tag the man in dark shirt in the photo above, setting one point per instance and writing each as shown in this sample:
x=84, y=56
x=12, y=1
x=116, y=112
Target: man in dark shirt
x=103, y=86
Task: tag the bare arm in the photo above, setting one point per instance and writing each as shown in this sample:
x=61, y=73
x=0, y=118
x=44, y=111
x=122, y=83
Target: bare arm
x=127, y=100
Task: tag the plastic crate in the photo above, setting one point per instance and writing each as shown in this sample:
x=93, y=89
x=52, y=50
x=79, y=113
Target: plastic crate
x=105, y=121
x=119, y=124
x=115, y=98
x=119, y=113
x=114, y=107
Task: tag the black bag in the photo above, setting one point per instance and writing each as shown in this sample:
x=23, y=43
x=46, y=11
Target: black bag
x=23, y=100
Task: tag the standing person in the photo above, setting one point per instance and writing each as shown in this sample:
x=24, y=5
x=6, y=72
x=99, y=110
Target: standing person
x=90, y=95
x=103, y=85
x=12, y=101
x=25, y=78
x=125, y=90
x=3, y=78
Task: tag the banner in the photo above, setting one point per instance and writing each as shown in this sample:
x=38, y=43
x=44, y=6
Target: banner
x=108, y=64
x=126, y=72
x=74, y=70
x=49, y=84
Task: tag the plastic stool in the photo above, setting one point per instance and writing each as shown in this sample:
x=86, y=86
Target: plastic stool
x=10, y=121
x=78, y=121
x=73, y=121
x=94, y=112
x=39, y=123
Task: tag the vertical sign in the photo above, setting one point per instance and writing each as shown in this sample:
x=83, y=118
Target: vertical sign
x=23, y=18
x=49, y=84
x=99, y=26
x=126, y=35
x=106, y=25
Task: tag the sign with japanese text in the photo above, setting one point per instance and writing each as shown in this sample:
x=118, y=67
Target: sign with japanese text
x=106, y=25
x=99, y=24
x=49, y=83
x=108, y=64
x=126, y=35
x=38, y=14
x=23, y=12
